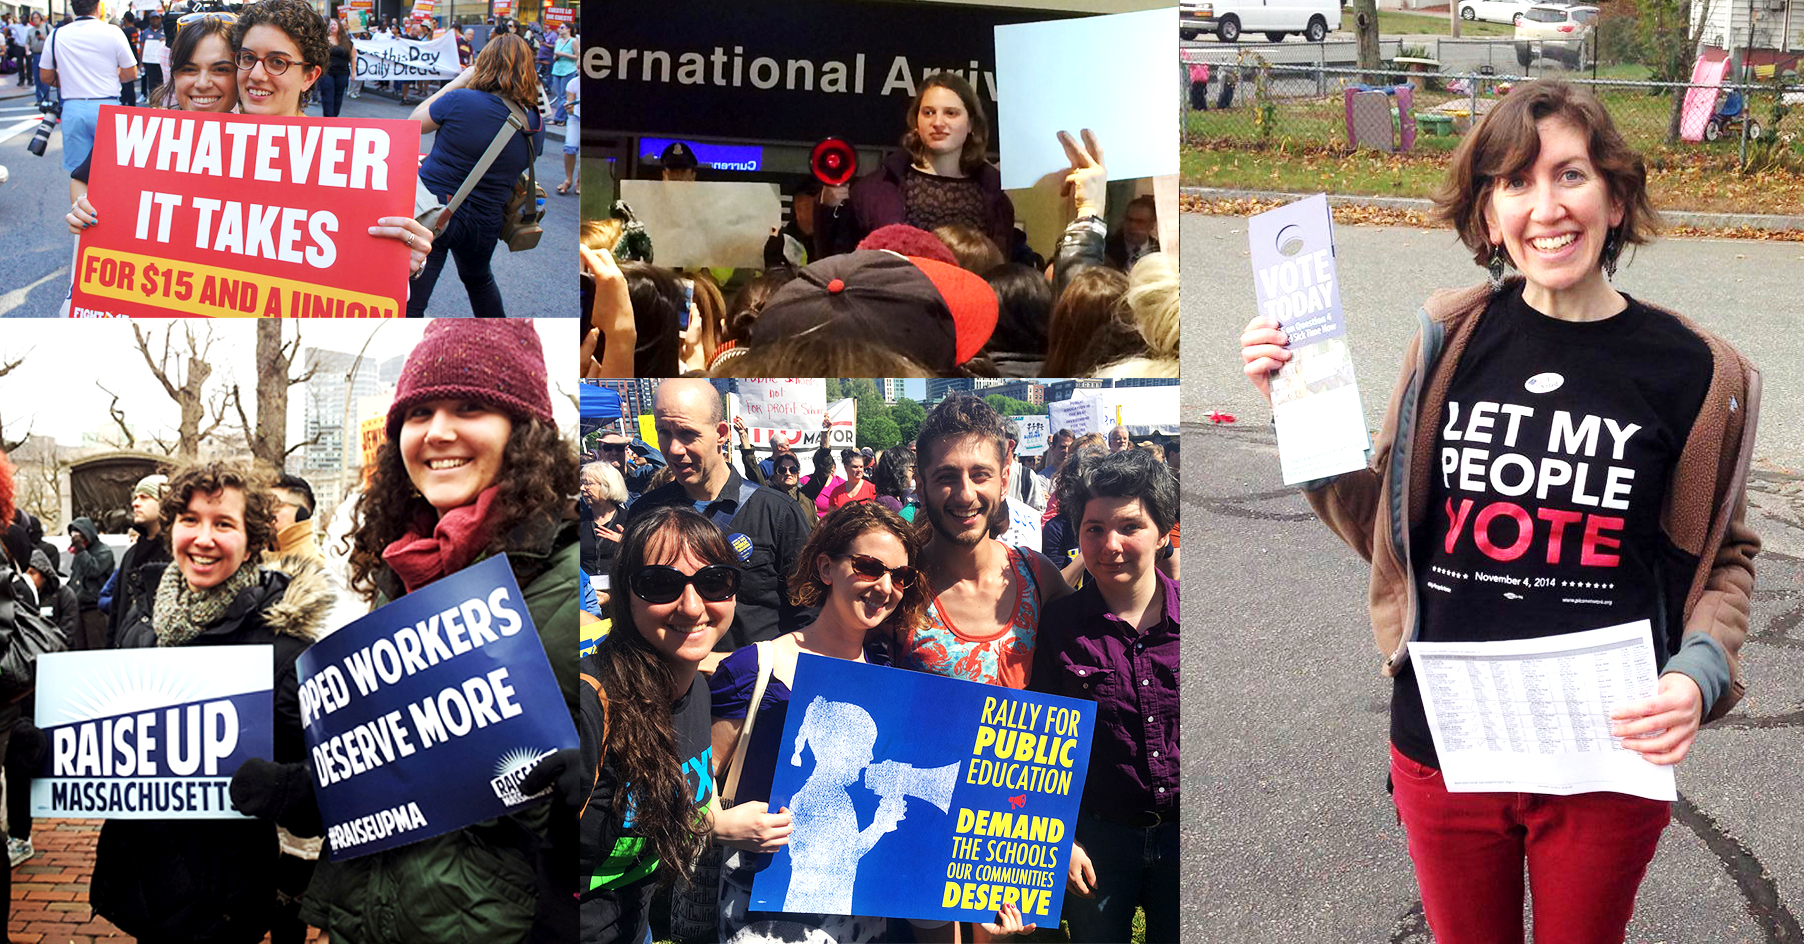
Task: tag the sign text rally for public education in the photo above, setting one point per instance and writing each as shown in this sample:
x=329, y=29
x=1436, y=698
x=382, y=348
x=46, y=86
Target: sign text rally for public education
x=241, y=216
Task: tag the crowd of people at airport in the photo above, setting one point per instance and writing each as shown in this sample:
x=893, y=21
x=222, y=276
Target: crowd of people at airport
x=915, y=269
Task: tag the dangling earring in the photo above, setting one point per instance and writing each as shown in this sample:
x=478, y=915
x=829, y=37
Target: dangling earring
x=1612, y=249
x=1496, y=267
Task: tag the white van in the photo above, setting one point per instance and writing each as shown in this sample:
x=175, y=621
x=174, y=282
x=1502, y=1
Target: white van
x=1227, y=19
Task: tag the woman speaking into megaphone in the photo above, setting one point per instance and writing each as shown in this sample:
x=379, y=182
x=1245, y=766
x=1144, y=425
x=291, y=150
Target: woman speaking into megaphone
x=939, y=178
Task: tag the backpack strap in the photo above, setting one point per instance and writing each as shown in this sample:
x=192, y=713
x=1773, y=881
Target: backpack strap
x=516, y=121
x=601, y=696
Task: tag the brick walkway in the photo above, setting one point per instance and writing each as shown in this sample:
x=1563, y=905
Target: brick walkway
x=50, y=889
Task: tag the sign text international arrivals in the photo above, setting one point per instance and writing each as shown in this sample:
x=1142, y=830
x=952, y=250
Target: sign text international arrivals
x=238, y=216
x=794, y=71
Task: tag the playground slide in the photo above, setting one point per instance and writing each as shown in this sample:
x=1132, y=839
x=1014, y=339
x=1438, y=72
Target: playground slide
x=1700, y=99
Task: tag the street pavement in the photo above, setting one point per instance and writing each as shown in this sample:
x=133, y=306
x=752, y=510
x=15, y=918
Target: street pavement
x=1288, y=834
x=36, y=247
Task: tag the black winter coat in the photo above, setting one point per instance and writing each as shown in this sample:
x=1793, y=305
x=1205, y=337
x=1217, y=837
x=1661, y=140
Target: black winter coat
x=214, y=881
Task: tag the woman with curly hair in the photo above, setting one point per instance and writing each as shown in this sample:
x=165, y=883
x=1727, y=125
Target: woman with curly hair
x=473, y=467
x=281, y=52
x=645, y=723
x=858, y=567
x=215, y=880
x=895, y=477
x=501, y=88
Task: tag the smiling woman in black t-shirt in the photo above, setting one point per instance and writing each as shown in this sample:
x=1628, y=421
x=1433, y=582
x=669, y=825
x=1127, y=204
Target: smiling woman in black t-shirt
x=1570, y=459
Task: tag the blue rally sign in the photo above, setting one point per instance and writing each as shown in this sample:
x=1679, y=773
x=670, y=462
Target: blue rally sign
x=151, y=733
x=919, y=796
x=424, y=716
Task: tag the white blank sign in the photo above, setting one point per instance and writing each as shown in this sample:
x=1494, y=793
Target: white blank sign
x=1112, y=74
x=701, y=224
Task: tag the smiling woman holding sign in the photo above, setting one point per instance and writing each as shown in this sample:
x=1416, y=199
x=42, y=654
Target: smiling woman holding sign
x=208, y=75
x=474, y=466
x=215, y=880
x=1549, y=433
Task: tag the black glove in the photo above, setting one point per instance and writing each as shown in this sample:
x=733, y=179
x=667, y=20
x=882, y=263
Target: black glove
x=27, y=746
x=268, y=790
x=562, y=772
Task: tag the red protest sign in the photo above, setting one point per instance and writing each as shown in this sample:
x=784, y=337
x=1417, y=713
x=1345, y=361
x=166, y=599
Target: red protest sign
x=245, y=216
x=561, y=15
x=503, y=8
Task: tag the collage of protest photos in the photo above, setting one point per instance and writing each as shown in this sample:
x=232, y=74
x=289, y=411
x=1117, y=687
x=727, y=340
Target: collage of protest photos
x=885, y=520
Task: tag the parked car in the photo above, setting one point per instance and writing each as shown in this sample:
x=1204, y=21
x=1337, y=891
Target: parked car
x=1228, y=19
x=1494, y=11
x=1553, y=31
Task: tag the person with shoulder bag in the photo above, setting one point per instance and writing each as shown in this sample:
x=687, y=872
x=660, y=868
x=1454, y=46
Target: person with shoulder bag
x=478, y=185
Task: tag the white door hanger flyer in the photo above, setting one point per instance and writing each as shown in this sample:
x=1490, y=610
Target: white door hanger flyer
x=1315, y=402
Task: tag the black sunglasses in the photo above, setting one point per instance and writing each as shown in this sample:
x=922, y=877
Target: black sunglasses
x=660, y=583
x=870, y=568
x=786, y=469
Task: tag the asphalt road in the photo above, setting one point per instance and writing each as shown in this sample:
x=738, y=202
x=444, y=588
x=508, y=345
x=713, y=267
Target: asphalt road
x=35, y=245
x=1288, y=834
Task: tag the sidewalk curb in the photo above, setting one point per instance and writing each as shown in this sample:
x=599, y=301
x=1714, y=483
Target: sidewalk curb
x=1757, y=221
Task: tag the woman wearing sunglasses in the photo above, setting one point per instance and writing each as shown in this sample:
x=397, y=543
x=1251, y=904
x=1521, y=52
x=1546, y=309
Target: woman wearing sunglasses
x=858, y=568
x=645, y=718
x=474, y=466
x=208, y=71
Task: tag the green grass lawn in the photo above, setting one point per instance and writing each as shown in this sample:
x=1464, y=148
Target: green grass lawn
x=1304, y=150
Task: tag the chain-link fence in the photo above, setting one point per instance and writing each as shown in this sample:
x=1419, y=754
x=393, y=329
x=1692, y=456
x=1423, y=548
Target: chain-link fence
x=1248, y=102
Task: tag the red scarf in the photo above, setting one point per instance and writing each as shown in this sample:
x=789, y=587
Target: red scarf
x=459, y=535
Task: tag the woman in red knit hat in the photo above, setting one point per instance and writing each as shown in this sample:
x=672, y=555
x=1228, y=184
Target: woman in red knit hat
x=474, y=466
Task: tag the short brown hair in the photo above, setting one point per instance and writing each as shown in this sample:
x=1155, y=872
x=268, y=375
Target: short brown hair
x=834, y=534
x=960, y=414
x=971, y=157
x=215, y=476
x=297, y=19
x=505, y=67
x=1094, y=301
x=974, y=251
x=1507, y=141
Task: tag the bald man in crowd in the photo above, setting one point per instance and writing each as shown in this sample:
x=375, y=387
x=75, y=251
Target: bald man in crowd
x=763, y=524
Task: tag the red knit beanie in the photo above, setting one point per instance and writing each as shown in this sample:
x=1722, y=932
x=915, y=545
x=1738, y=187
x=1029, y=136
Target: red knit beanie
x=493, y=361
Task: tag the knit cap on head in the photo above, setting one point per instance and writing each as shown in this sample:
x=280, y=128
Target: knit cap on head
x=909, y=241
x=153, y=486
x=494, y=361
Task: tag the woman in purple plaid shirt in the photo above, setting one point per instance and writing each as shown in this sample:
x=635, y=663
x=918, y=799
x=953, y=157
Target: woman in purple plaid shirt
x=1115, y=642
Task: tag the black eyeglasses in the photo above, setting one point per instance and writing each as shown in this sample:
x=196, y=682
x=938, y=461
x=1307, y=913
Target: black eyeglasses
x=659, y=583
x=786, y=469
x=275, y=63
x=612, y=447
x=870, y=568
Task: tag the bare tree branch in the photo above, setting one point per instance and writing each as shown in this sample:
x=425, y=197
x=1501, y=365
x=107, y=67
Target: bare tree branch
x=118, y=416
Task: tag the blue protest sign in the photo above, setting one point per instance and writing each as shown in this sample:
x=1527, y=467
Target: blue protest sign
x=151, y=733
x=424, y=716
x=919, y=796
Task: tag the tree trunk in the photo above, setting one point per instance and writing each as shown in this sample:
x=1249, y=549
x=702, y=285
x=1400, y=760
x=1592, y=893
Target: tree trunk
x=1365, y=17
x=269, y=444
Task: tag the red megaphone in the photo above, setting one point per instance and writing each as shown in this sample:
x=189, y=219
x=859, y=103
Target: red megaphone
x=833, y=161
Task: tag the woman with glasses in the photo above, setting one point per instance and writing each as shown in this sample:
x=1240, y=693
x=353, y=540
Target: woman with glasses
x=858, y=568
x=208, y=70
x=474, y=466
x=645, y=718
x=467, y=112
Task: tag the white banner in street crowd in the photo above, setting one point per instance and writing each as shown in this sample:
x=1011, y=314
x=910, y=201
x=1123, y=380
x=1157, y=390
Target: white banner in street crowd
x=381, y=58
x=1036, y=435
x=1077, y=415
x=778, y=403
x=802, y=441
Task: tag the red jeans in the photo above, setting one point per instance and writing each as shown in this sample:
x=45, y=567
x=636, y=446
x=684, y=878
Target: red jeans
x=1586, y=856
